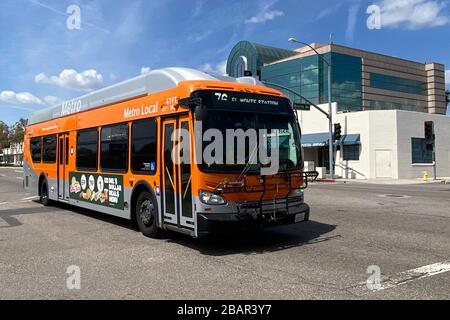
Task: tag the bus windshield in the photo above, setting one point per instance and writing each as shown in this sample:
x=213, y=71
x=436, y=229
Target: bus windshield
x=264, y=116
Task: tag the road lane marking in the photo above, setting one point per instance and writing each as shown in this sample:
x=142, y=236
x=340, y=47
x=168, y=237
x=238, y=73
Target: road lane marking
x=18, y=171
x=2, y=203
x=30, y=198
x=19, y=178
x=405, y=277
x=2, y=175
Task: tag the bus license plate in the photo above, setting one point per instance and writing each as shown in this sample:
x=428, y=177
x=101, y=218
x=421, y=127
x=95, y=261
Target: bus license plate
x=300, y=217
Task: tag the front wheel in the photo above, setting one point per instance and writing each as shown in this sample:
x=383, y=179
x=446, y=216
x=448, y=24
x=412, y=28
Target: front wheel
x=146, y=215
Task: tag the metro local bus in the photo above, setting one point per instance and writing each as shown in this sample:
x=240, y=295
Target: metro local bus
x=115, y=151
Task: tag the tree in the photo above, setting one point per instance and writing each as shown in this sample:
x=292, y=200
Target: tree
x=17, y=131
x=447, y=97
x=4, y=135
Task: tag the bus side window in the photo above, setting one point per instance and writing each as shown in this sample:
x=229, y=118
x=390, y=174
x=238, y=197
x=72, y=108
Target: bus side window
x=49, y=149
x=114, y=148
x=87, y=149
x=143, y=146
x=36, y=149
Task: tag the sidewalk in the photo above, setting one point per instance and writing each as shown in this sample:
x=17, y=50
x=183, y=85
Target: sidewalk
x=389, y=181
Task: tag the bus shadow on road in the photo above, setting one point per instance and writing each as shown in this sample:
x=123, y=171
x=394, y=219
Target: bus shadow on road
x=249, y=242
x=260, y=241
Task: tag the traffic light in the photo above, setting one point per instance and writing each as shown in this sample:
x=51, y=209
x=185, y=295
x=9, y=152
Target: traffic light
x=429, y=133
x=337, y=132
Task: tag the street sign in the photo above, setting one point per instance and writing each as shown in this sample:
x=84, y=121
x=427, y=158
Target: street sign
x=302, y=106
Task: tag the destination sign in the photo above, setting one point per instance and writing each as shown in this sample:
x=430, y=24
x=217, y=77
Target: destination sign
x=243, y=101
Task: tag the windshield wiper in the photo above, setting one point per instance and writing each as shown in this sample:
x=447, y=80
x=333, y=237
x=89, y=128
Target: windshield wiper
x=250, y=158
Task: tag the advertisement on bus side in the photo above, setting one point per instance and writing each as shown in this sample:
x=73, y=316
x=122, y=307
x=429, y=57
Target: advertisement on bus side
x=101, y=189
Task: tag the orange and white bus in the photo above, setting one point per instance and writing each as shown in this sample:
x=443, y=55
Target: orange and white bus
x=117, y=151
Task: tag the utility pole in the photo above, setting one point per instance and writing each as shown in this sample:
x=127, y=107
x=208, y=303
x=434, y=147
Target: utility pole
x=330, y=108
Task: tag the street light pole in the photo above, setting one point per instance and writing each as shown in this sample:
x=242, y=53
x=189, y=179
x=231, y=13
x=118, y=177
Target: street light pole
x=330, y=109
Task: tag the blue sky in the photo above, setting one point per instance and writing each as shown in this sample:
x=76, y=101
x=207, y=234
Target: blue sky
x=43, y=62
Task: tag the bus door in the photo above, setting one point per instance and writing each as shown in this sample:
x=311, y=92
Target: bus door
x=63, y=161
x=176, y=175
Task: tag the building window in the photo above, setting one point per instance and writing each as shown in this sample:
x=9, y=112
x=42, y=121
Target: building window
x=87, y=149
x=114, y=148
x=385, y=82
x=421, y=152
x=143, y=146
x=351, y=152
x=49, y=149
x=36, y=149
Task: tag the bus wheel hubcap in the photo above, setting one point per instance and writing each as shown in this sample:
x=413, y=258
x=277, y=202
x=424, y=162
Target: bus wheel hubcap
x=146, y=212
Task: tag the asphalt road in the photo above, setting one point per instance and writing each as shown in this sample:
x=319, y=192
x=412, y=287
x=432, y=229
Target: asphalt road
x=353, y=226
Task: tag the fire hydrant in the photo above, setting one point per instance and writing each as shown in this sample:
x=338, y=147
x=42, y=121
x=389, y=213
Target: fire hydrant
x=425, y=176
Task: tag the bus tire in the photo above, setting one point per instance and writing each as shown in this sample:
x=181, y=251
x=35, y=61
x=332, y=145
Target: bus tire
x=146, y=215
x=43, y=194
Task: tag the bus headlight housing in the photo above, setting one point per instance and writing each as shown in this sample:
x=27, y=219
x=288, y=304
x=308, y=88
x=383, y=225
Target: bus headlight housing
x=211, y=198
x=298, y=193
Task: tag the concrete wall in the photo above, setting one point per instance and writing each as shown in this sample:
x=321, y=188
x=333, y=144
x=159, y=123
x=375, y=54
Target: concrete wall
x=411, y=124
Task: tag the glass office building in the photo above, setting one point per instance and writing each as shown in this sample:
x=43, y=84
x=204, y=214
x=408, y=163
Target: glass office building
x=308, y=76
x=361, y=80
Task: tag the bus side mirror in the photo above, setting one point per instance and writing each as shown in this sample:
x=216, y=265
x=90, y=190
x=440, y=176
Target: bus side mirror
x=190, y=103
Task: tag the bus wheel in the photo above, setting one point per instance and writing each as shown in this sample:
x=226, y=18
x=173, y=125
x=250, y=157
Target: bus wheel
x=146, y=215
x=45, y=200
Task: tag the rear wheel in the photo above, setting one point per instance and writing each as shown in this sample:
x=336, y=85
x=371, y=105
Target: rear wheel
x=146, y=215
x=45, y=200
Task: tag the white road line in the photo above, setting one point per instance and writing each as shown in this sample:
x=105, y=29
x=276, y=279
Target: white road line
x=412, y=275
x=2, y=175
x=18, y=171
x=30, y=198
x=2, y=203
x=19, y=178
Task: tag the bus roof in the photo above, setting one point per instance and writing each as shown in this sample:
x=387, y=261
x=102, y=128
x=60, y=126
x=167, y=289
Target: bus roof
x=154, y=81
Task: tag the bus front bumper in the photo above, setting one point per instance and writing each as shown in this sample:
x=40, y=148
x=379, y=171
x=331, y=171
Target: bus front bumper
x=226, y=223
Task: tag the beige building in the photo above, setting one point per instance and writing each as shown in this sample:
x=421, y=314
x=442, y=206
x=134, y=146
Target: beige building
x=386, y=82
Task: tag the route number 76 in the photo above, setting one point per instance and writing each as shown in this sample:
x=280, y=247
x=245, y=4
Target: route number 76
x=221, y=96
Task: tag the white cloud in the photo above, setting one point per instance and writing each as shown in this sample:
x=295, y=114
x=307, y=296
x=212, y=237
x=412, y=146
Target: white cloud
x=145, y=70
x=351, y=22
x=112, y=77
x=84, y=81
x=329, y=11
x=52, y=100
x=219, y=68
x=21, y=98
x=413, y=14
x=447, y=77
x=266, y=14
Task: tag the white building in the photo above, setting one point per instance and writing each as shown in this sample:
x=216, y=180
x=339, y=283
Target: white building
x=12, y=155
x=376, y=144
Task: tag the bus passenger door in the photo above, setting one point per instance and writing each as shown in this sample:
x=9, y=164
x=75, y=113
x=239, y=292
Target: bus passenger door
x=184, y=180
x=168, y=174
x=63, y=161
x=176, y=175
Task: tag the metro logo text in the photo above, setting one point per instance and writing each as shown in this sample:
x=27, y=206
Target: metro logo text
x=142, y=111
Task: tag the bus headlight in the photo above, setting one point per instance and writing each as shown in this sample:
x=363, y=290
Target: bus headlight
x=211, y=198
x=298, y=193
